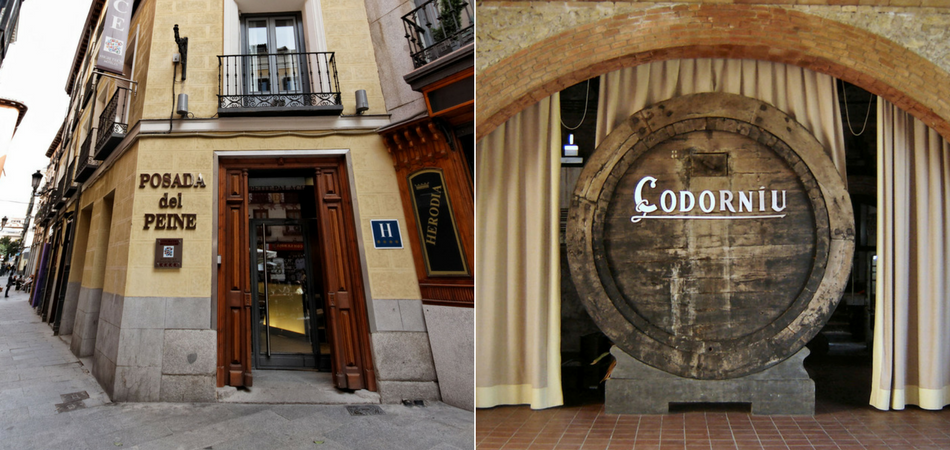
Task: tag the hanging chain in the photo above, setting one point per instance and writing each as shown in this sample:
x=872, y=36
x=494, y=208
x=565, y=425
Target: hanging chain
x=586, y=97
x=848, y=114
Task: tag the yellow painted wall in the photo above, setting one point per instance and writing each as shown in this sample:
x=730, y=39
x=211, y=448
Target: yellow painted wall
x=118, y=182
x=174, y=156
x=348, y=34
x=143, y=22
x=80, y=245
x=201, y=21
x=391, y=272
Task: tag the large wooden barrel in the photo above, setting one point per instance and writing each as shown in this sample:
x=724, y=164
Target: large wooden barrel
x=710, y=236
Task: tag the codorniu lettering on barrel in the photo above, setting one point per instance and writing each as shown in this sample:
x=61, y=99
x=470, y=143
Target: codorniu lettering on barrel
x=721, y=204
x=171, y=220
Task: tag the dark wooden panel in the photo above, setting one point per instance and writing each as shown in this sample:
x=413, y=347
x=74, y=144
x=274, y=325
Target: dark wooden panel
x=343, y=322
x=234, y=321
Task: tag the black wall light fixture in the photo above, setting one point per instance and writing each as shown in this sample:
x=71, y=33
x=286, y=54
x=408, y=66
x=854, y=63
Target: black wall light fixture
x=183, y=51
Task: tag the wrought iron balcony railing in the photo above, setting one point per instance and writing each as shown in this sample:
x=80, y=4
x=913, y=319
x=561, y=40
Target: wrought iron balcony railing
x=43, y=212
x=112, y=124
x=69, y=186
x=278, y=84
x=56, y=197
x=85, y=164
x=437, y=28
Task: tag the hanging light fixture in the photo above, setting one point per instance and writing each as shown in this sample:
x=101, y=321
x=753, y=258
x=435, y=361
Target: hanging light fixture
x=570, y=153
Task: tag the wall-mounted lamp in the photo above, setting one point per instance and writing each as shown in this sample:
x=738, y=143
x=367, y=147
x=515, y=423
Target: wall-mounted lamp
x=362, y=103
x=182, y=109
x=183, y=51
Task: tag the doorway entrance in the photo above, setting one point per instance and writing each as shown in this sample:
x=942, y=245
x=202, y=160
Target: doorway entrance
x=289, y=324
x=289, y=291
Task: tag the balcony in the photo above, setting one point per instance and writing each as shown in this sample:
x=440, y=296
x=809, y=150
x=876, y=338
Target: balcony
x=278, y=84
x=437, y=28
x=69, y=186
x=112, y=124
x=86, y=165
x=56, y=198
x=43, y=212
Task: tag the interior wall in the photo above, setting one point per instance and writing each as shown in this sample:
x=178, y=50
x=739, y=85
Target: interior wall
x=599, y=37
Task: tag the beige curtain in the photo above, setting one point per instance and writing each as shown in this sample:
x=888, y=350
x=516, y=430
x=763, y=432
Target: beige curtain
x=809, y=97
x=518, y=312
x=912, y=321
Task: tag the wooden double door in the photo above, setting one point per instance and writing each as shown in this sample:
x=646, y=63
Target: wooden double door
x=290, y=295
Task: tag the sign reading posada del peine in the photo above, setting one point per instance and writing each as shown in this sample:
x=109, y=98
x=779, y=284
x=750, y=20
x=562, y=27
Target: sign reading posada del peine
x=438, y=234
x=170, y=218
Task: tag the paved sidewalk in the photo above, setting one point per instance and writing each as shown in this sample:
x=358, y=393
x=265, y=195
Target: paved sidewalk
x=48, y=399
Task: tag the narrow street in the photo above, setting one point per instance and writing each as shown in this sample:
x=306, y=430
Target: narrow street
x=49, y=399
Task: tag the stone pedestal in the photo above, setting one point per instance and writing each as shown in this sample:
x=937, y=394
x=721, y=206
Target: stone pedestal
x=636, y=388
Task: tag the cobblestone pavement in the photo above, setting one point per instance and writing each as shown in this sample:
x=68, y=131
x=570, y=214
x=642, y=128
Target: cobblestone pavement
x=49, y=399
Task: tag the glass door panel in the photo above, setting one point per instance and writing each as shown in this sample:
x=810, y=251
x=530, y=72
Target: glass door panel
x=274, y=64
x=288, y=321
x=288, y=67
x=257, y=64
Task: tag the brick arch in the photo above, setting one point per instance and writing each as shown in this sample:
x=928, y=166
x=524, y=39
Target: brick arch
x=769, y=33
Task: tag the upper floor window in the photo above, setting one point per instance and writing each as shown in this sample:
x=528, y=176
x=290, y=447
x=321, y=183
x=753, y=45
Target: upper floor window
x=278, y=65
x=275, y=62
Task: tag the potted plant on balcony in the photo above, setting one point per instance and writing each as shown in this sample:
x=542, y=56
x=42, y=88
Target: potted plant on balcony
x=450, y=22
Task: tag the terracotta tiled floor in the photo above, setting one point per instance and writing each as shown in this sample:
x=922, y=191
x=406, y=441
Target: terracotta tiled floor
x=842, y=421
x=588, y=427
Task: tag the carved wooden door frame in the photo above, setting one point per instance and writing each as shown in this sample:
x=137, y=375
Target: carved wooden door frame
x=352, y=363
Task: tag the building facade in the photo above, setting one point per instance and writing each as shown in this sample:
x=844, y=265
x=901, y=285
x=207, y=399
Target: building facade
x=431, y=139
x=253, y=222
x=530, y=51
x=9, y=19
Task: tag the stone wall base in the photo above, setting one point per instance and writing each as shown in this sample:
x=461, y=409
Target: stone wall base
x=397, y=391
x=636, y=388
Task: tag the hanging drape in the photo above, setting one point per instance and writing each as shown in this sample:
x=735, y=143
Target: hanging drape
x=811, y=98
x=518, y=313
x=912, y=316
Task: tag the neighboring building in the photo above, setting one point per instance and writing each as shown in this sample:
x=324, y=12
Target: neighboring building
x=213, y=203
x=12, y=228
x=425, y=54
x=9, y=20
x=531, y=52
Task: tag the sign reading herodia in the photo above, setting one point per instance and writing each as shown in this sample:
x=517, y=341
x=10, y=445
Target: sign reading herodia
x=438, y=234
x=115, y=36
x=710, y=236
